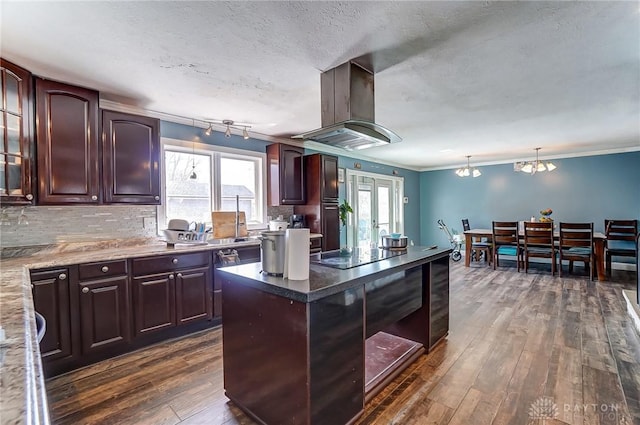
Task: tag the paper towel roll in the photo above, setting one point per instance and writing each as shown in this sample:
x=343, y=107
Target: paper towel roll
x=297, y=254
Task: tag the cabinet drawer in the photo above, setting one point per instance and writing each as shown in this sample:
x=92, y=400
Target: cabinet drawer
x=167, y=263
x=102, y=269
x=315, y=243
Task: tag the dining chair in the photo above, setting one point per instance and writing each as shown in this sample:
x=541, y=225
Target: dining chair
x=621, y=236
x=505, y=241
x=538, y=243
x=576, y=244
x=478, y=246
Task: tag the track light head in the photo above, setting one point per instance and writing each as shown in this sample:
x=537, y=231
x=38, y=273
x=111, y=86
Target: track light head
x=245, y=134
x=208, y=130
x=228, y=123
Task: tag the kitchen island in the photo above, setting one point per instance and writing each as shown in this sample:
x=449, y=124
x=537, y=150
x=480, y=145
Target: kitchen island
x=313, y=351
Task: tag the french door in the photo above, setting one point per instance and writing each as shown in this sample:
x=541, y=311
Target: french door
x=377, y=207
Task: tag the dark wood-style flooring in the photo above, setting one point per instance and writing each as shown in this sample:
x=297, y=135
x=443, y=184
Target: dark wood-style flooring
x=522, y=349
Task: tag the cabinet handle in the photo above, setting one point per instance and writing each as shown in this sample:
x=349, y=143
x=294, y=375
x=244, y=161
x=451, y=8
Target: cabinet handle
x=85, y=290
x=179, y=274
x=62, y=276
x=171, y=277
x=174, y=261
x=94, y=197
x=105, y=269
x=29, y=197
x=157, y=198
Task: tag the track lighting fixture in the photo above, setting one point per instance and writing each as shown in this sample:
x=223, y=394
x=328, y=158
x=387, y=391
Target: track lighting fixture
x=468, y=171
x=208, y=130
x=245, y=133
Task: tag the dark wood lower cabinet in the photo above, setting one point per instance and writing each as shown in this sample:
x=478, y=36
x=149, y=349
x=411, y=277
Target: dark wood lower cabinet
x=51, y=299
x=105, y=319
x=95, y=311
x=193, y=295
x=154, y=303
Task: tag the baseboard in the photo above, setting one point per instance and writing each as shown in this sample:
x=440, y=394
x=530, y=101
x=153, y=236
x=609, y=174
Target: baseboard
x=614, y=266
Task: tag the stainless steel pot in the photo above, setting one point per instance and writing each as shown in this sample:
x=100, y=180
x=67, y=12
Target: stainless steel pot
x=272, y=252
x=389, y=242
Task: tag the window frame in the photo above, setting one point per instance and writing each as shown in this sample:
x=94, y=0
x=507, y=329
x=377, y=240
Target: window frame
x=216, y=153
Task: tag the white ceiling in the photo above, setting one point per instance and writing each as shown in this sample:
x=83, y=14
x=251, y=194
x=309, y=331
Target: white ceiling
x=491, y=80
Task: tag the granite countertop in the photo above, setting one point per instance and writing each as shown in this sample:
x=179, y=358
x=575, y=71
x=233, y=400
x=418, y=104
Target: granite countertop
x=23, y=393
x=324, y=281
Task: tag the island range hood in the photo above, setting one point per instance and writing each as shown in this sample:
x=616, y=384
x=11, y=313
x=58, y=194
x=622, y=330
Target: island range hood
x=347, y=102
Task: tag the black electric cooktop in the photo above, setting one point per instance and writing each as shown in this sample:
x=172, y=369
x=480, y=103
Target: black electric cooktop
x=341, y=259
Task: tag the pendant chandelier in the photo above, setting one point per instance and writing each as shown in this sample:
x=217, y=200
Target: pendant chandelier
x=468, y=171
x=532, y=167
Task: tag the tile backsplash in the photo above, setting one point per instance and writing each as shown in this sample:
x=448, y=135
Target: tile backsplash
x=62, y=224
x=50, y=225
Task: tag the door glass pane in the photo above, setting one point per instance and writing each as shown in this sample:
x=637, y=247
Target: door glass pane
x=13, y=134
x=384, y=210
x=238, y=177
x=13, y=104
x=15, y=175
x=188, y=198
x=3, y=181
x=364, y=219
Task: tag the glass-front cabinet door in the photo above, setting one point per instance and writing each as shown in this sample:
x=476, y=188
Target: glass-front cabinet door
x=16, y=132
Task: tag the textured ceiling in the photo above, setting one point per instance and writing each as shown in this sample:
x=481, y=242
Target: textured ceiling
x=491, y=80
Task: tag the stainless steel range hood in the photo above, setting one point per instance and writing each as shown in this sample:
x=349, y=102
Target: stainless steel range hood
x=347, y=101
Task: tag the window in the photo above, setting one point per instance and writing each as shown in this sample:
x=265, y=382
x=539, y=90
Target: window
x=220, y=174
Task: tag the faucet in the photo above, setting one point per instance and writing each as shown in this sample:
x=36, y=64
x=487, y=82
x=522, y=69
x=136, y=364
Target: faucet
x=238, y=238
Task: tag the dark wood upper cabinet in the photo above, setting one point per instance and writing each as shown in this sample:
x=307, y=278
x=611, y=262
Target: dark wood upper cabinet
x=321, y=178
x=130, y=158
x=16, y=135
x=67, y=140
x=321, y=207
x=285, y=177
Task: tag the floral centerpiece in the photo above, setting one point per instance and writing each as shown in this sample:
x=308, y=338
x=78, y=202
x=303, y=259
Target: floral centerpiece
x=546, y=215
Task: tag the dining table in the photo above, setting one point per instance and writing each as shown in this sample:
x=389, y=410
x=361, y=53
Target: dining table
x=599, y=240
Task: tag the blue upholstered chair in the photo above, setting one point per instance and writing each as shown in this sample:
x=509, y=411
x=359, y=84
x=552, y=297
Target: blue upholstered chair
x=505, y=241
x=621, y=239
x=576, y=244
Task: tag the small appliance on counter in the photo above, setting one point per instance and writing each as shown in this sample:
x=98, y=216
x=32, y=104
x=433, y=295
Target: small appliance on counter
x=296, y=221
x=277, y=225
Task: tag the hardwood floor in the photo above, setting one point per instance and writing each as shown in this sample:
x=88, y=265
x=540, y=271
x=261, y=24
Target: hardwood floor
x=522, y=349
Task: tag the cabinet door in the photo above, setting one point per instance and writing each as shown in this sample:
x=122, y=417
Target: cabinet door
x=292, y=176
x=193, y=295
x=330, y=227
x=130, y=158
x=67, y=130
x=104, y=313
x=51, y=299
x=16, y=135
x=154, y=303
x=285, y=178
x=329, y=178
